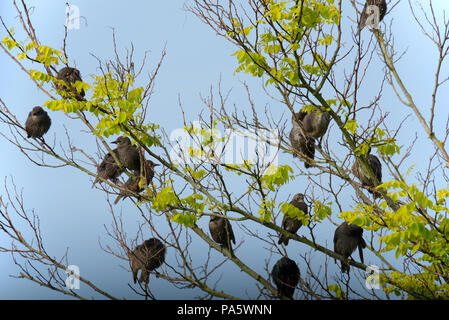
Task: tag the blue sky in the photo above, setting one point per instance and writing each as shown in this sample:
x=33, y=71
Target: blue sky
x=74, y=215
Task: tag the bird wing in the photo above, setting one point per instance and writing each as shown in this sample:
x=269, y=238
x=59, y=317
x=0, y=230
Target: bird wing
x=230, y=231
x=361, y=245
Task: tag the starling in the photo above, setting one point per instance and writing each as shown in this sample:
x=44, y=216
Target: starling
x=364, y=177
x=108, y=168
x=302, y=145
x=315, y=123
x=132, y=184
x=37, y=123
x=221, y=231
x=285, y=275
x=127, y=153
x=291, y=224
x=346, y=239
x=147, y=257
x=367, y=12
x=70, y=76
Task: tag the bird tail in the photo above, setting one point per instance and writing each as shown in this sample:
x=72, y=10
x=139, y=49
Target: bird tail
x=362, y=244
x=345, y=266
x=283, y=240
x=229, y=247
x=117, y=199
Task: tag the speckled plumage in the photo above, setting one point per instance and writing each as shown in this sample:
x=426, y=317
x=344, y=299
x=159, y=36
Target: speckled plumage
x=147, y=257
x=302, y=145
x=290, y=224
x=221, y=231
x=127, y=153
x=37, y=123
x=382, y=6
x=285, y=274
x=69, y=76
x=347, y=238
x=132, y=184
x=363, y=176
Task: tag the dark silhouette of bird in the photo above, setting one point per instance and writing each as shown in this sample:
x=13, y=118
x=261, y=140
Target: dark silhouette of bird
x=70, y=76
x=315, y=123
x=108, y=168
x=132, y=184
x=37, y=123
x=285, y=275
x=147, y=257
x=221, y=231
x=367, y=12
x=291, y=224
x=127, y=153
x=302, y=145
x=347, y=238
x=360, y=172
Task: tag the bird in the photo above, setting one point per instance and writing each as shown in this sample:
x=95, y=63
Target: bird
x=69, y=76
x=302, y=145
x=127, y=153
x=132, y=184
x=363, y=176
x=221, y=231
x=315, y=123
x=147, y=257
x=37, y=123
x=108, y=168
x=285, y=275
x=367, y=12
x=347, y=238
x=292, y=224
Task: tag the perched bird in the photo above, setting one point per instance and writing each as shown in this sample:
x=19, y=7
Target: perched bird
x=285, y=275
x=221, y=231
x=132, y=184
x=127, y=153
x=368, y=12
x=108, y=168
x=70, y=76
x=315, y=123
x=363, y=176
x=37, y=123
x=347, y=238
x=291, y=224
x=147, y=257
x=302, y=145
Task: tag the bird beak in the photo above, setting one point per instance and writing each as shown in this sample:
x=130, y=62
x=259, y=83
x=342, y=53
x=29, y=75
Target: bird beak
x=114, y=142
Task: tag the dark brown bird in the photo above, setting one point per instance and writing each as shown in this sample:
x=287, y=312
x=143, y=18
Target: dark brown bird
x=127, y=153
x=108, y=168
x=132, y=184
x=315, y=123
x=367, y=12
x=37, y=123
x=291, y=224
x=70, y=76
x=359, y=171
x=347, y=238
x=304, y=146
x=285, y=275
x=147, y=257
x=221, y=231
